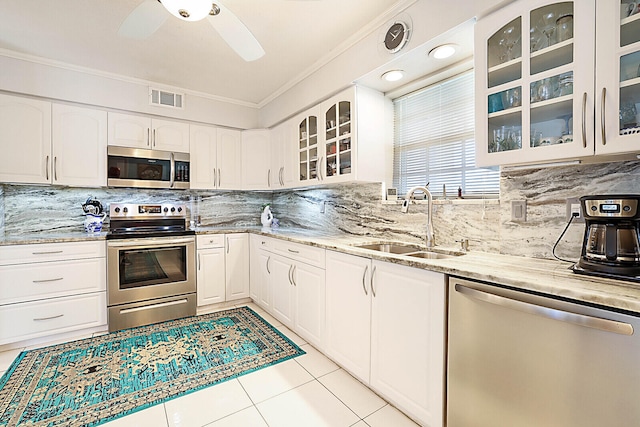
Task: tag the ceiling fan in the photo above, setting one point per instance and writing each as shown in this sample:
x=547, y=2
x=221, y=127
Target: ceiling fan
x=147, y=18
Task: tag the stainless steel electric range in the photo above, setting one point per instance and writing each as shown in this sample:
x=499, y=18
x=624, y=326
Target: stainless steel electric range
x=151, y=269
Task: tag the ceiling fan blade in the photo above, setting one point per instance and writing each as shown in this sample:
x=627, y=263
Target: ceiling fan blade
x=144, y=20
x=236, y=34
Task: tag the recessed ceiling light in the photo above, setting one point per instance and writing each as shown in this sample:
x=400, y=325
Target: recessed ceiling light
x=443, y=51
x=393, y=75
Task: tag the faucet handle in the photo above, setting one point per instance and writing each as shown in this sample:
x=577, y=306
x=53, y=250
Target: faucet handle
x=464, y=244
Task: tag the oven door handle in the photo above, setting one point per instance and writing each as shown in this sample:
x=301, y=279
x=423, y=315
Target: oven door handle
x=149, y=242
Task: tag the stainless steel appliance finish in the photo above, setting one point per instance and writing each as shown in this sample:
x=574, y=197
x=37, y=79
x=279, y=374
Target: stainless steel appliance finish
x=140, y=168
x=611, y=241
x=151, y=274
x=522, y=360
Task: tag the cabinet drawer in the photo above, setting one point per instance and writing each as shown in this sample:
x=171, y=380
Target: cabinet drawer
x=308, y=254
x=21, y=254
x=261, y=242
x=24, y=321
x=25, y=282
x=208, y=241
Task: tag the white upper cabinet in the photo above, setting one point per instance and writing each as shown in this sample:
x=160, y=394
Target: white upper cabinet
x=283, y=164
x=59, y=144
x=257, y=173
x=343, y=139
x=617, y=94
x=129, y=130
x=25, y=140
x=534, y=82
x=79, y=146
x=215, y=156
x=548, y=90
x=229, y=159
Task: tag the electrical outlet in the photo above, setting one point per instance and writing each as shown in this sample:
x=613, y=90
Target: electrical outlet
x=573, y=205
x=519, y=210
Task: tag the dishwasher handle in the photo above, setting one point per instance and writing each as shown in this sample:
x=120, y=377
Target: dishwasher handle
x=602, y=324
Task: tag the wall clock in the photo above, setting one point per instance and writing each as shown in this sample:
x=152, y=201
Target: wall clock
x=396, y=37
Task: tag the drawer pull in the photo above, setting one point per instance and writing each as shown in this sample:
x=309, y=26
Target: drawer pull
x=46, y=252
x=57, y=279
x=40, y=319
x=293, y=252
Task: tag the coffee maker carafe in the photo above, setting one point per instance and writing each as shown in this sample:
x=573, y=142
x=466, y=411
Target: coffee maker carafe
x=611, y=240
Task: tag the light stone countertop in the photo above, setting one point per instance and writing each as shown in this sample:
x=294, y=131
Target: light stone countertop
x=532, y=274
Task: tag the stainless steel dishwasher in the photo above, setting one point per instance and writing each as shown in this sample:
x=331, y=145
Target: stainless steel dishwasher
x=521, y=360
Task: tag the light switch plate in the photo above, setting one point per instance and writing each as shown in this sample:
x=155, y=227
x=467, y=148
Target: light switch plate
x=519, y=210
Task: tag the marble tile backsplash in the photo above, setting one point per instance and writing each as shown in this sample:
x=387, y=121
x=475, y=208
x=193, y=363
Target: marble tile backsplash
x=356, y=209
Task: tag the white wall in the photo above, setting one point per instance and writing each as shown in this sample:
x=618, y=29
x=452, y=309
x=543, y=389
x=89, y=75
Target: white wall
x=61, y=82
x=430, y=18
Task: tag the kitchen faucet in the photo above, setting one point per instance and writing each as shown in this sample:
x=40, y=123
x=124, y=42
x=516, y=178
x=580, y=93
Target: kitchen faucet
x=405, y=208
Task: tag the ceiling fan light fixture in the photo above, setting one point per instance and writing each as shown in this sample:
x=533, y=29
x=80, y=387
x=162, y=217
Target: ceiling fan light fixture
x=443, y=51
x=188, y=10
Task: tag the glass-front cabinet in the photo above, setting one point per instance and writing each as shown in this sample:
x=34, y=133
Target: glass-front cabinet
x=557, y=80
x=345, y=138
x=308, y=148
x=618, y=84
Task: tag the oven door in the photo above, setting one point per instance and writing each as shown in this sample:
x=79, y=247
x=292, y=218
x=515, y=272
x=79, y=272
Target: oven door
x=148, y=268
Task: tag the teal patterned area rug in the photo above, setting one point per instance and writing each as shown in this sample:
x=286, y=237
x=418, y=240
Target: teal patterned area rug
x=92, y=381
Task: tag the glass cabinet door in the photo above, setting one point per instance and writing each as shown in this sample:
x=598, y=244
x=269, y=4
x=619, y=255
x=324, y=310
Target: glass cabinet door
x=338, y=135
x=308, y=148
x=629, y=77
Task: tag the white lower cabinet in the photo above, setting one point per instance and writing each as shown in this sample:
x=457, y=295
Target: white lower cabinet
x=385, y=324
x=52, y=288
x=237, y=266
x=407, y=340
x=288, y=281
x=222, y=268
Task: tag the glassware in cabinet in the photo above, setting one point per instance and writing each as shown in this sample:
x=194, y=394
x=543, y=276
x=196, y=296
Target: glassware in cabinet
x=338, y=139
x=308, y=148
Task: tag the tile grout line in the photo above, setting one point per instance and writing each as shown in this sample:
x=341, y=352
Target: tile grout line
x=254, y=404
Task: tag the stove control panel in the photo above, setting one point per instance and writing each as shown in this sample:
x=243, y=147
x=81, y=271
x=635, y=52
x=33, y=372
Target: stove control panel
x=148, y=210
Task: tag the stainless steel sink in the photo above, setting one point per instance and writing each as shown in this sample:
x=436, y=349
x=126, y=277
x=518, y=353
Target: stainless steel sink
x=432, y=255
x=392, y=248
x=408, y=250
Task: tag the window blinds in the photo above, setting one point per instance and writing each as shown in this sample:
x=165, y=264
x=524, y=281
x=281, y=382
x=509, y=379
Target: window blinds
x=434, y=141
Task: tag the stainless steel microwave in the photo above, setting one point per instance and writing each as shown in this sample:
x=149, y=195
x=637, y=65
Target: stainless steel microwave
x=139, y=168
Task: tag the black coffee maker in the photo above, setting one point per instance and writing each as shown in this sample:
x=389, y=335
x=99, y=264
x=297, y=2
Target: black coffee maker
x=611, y=239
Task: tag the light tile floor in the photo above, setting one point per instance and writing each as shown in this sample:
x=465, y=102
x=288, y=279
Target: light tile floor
x=309, y=390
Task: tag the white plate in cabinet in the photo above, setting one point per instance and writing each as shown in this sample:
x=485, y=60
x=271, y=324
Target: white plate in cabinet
x=21, y=254
x=35, y=319
x=23, y=282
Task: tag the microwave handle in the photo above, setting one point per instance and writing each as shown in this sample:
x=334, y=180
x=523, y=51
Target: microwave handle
x=173, y=170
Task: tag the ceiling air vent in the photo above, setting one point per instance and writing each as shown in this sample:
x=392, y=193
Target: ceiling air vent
x=164, y=98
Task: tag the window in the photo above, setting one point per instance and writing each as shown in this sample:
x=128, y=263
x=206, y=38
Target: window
x=434, y=141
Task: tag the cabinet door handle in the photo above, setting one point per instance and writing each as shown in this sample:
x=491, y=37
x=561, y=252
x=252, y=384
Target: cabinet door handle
x=320, y=169
x=602, y=116
x=148, y=137
x=227, y=245
x=373, y=273
x=268, y=271
x=55, y=168
x=215, y=177
x=584, y=120
x=198, y=262
x=269, y=178
x=154, y=137
x=57, y=279
x=364, y=275
x=280, y=176
x=600, y=323
x=40, y=319
x=290, y=268
x=46, y=167
x=293, y=276
x=219, y=178
x=46, y=253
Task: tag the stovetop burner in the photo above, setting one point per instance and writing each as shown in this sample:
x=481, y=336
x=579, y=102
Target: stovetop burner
x=129, y=220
